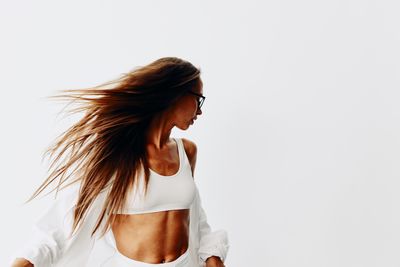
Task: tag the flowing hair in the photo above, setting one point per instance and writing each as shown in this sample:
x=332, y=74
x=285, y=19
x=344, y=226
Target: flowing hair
x=106, y=149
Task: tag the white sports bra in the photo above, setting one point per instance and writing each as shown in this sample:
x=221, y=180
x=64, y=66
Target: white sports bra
x=164, y=192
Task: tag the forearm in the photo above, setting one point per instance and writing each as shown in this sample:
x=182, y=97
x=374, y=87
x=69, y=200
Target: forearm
x=21, y=262
x=213, y=245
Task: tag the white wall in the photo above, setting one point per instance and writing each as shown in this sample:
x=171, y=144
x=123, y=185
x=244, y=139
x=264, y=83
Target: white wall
x=299, y=141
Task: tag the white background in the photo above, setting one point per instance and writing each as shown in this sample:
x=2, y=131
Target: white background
x=299, y=141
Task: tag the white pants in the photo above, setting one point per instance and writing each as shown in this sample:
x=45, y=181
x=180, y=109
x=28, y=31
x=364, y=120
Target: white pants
x=122, y=261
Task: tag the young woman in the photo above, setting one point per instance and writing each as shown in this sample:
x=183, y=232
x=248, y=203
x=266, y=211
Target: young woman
x=133, y=200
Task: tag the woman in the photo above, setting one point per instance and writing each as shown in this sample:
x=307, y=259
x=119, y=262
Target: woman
x=133, y=201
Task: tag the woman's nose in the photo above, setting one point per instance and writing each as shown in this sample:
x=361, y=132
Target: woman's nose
x=199, y=112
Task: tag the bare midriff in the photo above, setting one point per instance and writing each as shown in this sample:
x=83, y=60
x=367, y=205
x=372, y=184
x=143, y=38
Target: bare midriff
x=155, y=237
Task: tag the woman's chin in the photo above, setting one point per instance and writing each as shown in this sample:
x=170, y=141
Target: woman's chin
x=186, y=126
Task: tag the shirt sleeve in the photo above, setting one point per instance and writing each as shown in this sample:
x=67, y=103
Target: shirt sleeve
x=212, y=243
x=50, y=233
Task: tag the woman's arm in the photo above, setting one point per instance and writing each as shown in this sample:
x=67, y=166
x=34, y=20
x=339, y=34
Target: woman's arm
x=214, y=245
x=49, y=235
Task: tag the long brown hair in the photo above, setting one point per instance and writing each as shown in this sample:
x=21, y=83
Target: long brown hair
x=106, y=148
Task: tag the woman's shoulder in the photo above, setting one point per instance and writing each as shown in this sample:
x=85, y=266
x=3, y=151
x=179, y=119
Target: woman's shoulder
x=189, y=145
x=191, y=151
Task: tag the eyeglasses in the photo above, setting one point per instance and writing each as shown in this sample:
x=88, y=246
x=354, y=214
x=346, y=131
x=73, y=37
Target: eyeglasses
x=200, y=100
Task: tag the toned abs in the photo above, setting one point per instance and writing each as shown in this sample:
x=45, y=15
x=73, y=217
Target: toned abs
x=155, y=237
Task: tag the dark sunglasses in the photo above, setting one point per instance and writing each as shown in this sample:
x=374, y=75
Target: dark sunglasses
x=200, y=100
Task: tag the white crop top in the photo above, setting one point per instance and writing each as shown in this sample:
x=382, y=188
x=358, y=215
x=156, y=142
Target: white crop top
x=164, y=192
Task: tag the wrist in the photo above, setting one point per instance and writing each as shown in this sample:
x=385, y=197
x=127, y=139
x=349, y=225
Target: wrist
x=21, y=262
x=213, y=258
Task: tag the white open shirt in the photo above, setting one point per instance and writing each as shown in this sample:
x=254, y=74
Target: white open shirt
x=49, y=244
